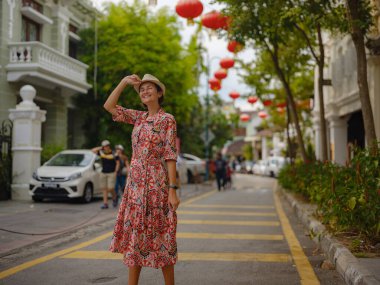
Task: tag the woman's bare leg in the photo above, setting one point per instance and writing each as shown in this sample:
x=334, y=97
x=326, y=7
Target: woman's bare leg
x=168, y=272
x=133, y=275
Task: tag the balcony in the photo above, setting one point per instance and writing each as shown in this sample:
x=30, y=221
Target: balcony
x=36, y=63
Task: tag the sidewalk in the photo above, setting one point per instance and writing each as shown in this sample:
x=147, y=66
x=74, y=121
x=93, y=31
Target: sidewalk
x=25, y=223
x=353, y=270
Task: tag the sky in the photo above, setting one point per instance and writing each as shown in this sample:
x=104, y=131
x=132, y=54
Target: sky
x=217, y=49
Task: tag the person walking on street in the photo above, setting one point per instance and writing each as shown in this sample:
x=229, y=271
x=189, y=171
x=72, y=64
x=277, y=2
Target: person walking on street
x=121, y=170
x=108, y=174
x=146, y=224
x=220, y=171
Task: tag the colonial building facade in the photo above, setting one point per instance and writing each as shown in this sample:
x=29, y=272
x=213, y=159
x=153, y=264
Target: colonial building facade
x=38, y=46
x=342, y=103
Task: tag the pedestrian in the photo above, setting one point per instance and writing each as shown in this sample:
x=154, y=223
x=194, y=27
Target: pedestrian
x=220, y=170
x=108, y=175
x=121, y=171
x=146, y=225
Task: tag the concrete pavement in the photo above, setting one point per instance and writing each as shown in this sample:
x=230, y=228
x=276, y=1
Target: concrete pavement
x=245, y=236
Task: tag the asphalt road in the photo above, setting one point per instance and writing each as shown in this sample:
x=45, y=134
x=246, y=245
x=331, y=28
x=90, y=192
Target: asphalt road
x=243, y=236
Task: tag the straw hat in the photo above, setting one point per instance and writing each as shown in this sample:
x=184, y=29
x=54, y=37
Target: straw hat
x=105, y=143
x=150, y=78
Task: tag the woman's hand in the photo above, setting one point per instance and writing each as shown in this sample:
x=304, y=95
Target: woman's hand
x=131, y=79
x=173, y=200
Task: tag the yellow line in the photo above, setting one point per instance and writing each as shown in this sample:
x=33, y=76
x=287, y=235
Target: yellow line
x=230, y=236
x=230, y=206
x=197, y=198
x=226, y=213
x=191, y=256
x=304, y=268
x=34, y=262
x=229, y=223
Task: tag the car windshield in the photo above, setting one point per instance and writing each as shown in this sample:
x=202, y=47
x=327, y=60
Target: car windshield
x=70, y=159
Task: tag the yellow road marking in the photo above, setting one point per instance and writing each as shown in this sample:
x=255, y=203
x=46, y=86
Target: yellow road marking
x=205, y=195
x=192, y=256
x=304, y=268
x=226, y=213
x=230, y=206
x=230, y=236
x=229, y=223
x=34, y=262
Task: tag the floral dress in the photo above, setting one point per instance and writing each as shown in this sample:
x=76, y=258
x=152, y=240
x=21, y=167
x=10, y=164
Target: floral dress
x=145, y=229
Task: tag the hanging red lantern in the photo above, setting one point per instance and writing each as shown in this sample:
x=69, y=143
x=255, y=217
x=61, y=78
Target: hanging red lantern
x=262, y=114
x=212, y=20
x=267, y=103
x=245, y=117
x=252, y=99
x=234, y=46
x=281, y=105
x=227, y=63
x=221, y=74
x=226, y=22
x=189, y=9
x=234, y=95
x=215, y=84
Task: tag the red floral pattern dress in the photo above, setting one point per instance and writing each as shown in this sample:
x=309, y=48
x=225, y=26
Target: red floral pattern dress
x=145, y=229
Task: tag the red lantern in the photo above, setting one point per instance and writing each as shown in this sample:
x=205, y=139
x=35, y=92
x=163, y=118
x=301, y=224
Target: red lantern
x=234, y=95
x=245, y=117
x=267, y=103
x=281, y=105
x=215, y=84
x=234, y=46
x=189, y=9
x=262, y=115
x=212, y=20
x=252, y=99
x=221, y=74
x=226, y=22
x=227, y=63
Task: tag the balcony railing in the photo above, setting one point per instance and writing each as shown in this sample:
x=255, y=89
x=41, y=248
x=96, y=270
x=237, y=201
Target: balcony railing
x=36, y=56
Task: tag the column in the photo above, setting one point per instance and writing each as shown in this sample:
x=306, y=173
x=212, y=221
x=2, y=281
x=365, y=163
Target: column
x=317, y=135
x=264, y=148
x=26, y=142
x=338, y=139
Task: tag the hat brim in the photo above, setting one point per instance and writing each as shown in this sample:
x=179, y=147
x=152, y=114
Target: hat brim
x=159, y=83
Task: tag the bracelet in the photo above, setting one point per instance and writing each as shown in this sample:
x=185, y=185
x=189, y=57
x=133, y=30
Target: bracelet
x=173, y=186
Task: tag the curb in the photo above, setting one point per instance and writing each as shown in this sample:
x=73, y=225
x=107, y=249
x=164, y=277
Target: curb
x=347, y=265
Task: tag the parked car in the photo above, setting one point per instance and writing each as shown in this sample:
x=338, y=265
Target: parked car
x=68, y=174
x=259, y=167
x=195, y=167
x=249, y=166
x=274, y=165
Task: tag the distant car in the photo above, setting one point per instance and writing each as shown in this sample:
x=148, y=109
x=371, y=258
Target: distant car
x=259, y=167
x=274, y=165
x=249, y=166
x=195, y=167
x=68, y=174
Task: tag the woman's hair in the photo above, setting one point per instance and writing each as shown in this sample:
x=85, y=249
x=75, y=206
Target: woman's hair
x=159, y=89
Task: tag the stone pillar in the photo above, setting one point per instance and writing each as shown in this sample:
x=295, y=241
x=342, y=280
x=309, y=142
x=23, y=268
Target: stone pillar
x=26, y=145
x=338, y=139
x=264, y=148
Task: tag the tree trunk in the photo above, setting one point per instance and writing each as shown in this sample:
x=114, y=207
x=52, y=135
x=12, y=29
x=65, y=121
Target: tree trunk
x=321, y=64
x=291, y=104
x=358, y=39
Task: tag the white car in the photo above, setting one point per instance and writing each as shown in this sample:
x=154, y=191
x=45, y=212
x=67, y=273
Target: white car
x=194, y=166
x=68, y=174
x=259, y=167
x=275, y=163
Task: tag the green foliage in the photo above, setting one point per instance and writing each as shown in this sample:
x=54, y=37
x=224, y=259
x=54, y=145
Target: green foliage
x=248, y=151
x=131, y=39
x=49, y=150
x=347, y=197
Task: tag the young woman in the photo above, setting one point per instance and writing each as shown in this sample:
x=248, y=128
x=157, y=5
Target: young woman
x=145, y=230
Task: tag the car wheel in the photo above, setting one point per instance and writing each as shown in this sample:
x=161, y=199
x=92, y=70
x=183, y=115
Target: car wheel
x=190, y=177
x=37, y=199
x=87, y=193
x=271, y=174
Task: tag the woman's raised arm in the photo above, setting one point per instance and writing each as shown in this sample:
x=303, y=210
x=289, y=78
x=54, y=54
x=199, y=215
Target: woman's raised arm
x=110, y=104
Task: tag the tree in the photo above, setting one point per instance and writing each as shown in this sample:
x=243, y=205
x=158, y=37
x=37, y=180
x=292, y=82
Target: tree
x=133, y=40
x=259, y=22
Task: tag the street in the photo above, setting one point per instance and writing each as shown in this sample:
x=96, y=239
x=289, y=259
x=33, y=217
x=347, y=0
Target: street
x=244, y=235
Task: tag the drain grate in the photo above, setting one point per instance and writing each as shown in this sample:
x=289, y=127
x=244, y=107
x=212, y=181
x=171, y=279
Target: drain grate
x=64, y=211
x=102, y=280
